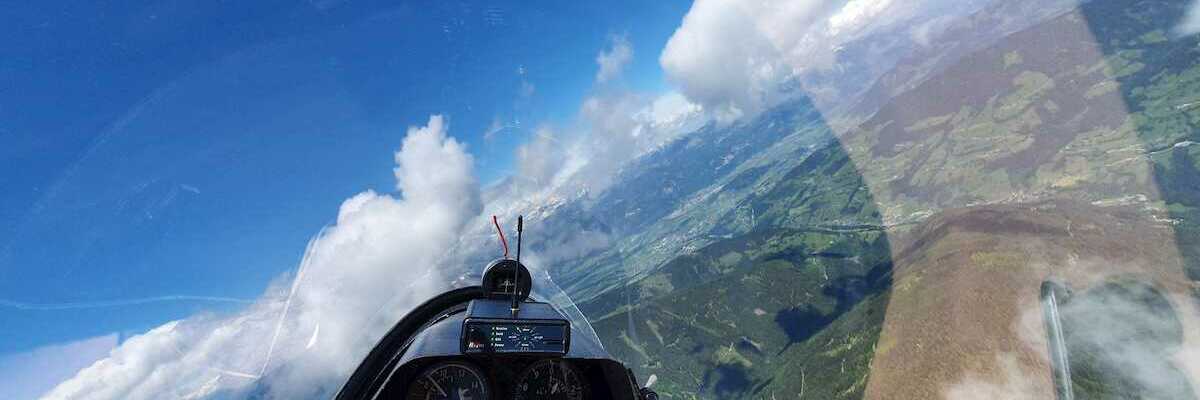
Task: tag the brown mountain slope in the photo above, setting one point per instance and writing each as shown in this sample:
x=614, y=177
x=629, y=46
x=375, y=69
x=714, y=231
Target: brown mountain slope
x=964, y=313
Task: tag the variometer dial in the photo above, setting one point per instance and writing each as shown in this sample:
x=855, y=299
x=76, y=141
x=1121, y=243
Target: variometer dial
x=449, y=381
x=551, y=379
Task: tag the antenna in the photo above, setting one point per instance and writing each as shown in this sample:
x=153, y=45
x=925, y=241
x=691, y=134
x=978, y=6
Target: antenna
x=503, y=241
x=516, y=306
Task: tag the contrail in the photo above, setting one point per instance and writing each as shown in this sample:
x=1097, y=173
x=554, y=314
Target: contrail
x=116, y=303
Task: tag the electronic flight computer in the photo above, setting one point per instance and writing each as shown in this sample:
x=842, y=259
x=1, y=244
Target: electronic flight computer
x=539, y=329
x=492, y=341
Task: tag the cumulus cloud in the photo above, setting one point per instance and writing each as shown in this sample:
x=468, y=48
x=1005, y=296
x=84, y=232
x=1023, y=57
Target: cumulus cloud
x=612, y=127
x=737, y=58
x=612, y=130
x=560, y=164
x=384, y=254
x=1191, y=21
x=1128, y=331
x=719, y=58
x=357, y=277
x=612, y=60
x=540, y=160
x=29, y=374
x=622, y=127
x=1134, y=332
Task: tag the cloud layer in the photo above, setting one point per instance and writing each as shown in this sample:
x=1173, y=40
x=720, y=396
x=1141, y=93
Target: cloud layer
x=385, y=254
x=1191, y=21
x=27, y=375
x=614, y=127
x=303, y=339
x=737, y=58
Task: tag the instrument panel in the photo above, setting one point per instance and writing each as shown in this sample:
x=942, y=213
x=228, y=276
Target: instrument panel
x=449, y=380
x=461, y=345
x=550, y=379
x=496, y=378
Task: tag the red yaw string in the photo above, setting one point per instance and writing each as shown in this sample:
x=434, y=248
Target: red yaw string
x=503, y=241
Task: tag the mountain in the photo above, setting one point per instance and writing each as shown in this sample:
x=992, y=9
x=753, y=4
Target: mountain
x=672, y=198
x=892, y=247
x=793, y=282
x=898, y=257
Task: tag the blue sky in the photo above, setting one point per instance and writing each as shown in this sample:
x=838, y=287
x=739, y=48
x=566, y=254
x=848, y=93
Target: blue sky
x=184, y=148
x=168, y=161
x=164, y=164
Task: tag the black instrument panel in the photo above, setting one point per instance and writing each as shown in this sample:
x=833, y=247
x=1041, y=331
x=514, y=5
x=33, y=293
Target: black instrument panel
x=550, y=378
x=499, y=378
x=491, y=327
x=516, y=337
x=429, y=354
x=449, y=380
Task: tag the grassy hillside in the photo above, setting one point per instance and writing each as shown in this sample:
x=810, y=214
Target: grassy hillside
x=797, y=289
x=740, y=313
x=1073, y=137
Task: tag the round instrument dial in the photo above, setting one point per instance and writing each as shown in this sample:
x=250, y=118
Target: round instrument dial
x=449, y=381
x=550, y=379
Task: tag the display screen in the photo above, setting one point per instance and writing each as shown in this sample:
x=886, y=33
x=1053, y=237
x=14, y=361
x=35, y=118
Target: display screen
x=514, y=337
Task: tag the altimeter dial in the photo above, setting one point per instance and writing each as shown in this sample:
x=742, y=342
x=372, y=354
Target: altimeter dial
x=449, y=381
x=552, y=379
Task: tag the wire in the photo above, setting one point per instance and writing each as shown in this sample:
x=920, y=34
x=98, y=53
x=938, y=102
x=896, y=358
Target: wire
x=499, y=231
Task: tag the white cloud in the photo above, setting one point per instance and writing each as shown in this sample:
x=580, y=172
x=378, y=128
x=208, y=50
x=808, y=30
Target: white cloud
x=733, y=57
x=541, y=159
x=27, y=375
x=622, y=127
x=719, y=58
x=670, y=110
x=612, y=127
x=1191, y=21
x=924, y=32
x=612, y=130
x=357, y=278
x=612, y=61
x=384, y=254
x=1139, y=327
